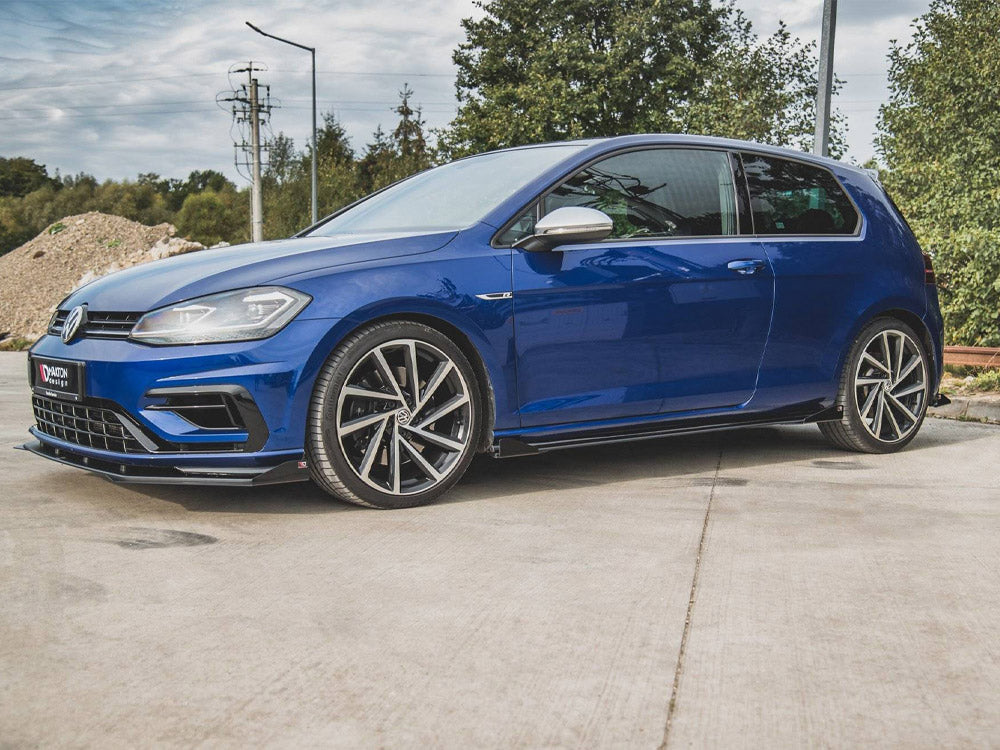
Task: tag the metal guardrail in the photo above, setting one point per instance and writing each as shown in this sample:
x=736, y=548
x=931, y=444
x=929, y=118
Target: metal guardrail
x=972, y=356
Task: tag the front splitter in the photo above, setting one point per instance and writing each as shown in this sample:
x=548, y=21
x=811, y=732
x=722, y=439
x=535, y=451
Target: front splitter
x=288, y=471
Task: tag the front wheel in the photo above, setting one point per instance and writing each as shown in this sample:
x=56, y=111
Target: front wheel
x=884, y=390
x=395, y=417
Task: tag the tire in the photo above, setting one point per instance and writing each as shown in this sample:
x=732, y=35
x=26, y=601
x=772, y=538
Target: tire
x=884, y=390
x=368, y=438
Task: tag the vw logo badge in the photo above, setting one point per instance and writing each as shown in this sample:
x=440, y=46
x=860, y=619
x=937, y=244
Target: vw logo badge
x=403, y=416
x=76, y=318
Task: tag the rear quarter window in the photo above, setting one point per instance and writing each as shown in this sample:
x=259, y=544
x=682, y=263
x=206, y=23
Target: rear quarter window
x=789, y=197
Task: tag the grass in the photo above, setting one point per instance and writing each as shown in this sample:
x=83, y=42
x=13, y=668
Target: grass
x=988, y=380
x=969, y=380
x=15, y=344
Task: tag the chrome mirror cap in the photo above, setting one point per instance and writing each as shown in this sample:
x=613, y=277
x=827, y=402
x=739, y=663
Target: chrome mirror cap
x=574, y=221
x=568, y=224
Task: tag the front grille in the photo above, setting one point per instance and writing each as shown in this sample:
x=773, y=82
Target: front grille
x=99, y=325
x=84, y=424
x=96, y=423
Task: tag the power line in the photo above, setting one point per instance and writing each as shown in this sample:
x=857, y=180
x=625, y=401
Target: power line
x=103, y=115
x=400, y=74
x=358, y=73
x=103, y=106
x=331, y=102
x=106, y=82
x=110, y=81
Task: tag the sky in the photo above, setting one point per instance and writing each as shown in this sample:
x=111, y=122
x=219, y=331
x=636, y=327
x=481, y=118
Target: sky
x=118, y=87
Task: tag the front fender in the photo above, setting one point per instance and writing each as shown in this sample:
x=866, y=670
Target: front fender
x=443, y=289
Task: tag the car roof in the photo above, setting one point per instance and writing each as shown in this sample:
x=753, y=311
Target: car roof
x=620, y=141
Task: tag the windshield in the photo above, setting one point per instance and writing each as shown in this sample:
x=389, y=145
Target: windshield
x=449, y=197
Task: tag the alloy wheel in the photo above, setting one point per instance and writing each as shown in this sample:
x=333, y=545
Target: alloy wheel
x=403, y=417
x=891, y=386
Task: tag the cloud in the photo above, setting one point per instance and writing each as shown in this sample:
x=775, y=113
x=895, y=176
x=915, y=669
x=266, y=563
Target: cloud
x=136, y=82
x=118, y=87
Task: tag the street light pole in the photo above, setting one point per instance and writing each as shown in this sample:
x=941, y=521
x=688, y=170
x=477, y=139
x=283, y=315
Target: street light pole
x=824, y=92
x=315, y=168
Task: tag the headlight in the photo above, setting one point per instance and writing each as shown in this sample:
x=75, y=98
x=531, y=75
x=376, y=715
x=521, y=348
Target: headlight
x=241, y=315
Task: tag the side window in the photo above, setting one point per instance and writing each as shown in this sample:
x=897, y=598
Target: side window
x=789, y=197
x=523, y=227
x=656, y=193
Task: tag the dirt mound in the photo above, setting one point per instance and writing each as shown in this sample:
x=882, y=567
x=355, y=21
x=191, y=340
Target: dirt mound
x=35, y=277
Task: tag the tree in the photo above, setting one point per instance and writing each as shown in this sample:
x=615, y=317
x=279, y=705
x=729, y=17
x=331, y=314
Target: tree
x=402, y=153
x=535, y=70
x=338, y=184
x=373, y=165
x=286, y=185
x=283, y=163
x=939, y=136
x=210, y=217
x=761, y=90
x=207, y=179
x=332, y=141
x=287, y=179
x=137, y=201
x=207, y=206
x=20, y=176
x=175, y=191
x=408, y=140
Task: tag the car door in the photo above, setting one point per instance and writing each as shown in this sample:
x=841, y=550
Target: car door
x=824, y=267
x=669, y=314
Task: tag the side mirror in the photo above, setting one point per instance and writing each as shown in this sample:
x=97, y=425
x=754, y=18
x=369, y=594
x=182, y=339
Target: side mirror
x=565, y=225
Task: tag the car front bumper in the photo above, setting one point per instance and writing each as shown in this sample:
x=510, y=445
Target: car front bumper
x=127, y=430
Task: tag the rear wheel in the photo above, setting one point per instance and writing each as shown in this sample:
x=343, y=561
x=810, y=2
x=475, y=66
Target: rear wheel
x=394, y=418
x=883, y=390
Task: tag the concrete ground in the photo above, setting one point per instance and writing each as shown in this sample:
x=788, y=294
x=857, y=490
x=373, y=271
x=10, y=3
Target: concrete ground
x=744, y=589
x=979, y=407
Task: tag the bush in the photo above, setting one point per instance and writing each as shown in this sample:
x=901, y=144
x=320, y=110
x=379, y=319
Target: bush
x=211, y=217
x=940, y=137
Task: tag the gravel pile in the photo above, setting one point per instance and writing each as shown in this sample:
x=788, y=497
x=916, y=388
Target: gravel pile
x=35, y=277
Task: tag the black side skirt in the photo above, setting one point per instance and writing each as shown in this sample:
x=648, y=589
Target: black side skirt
x=509, y=447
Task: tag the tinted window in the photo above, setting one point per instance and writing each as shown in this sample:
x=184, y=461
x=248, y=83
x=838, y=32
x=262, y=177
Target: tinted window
x=654, y=193
x=453, y=196
x=523, y=227
x=789, y=197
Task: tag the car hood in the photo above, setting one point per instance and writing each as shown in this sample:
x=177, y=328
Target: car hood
x=183, y=277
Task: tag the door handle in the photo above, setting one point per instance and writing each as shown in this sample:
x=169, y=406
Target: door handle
x=746, y=267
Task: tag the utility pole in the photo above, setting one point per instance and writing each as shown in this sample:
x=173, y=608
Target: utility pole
x=315, y=168
x=251, y=108
x=256, y=201
x=824, y=92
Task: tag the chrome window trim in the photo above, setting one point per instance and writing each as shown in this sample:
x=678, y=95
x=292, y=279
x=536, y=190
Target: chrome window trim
x=722, y=239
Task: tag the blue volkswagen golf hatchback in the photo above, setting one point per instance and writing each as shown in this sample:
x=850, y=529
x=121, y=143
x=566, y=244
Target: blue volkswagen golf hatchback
x=513, y=302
